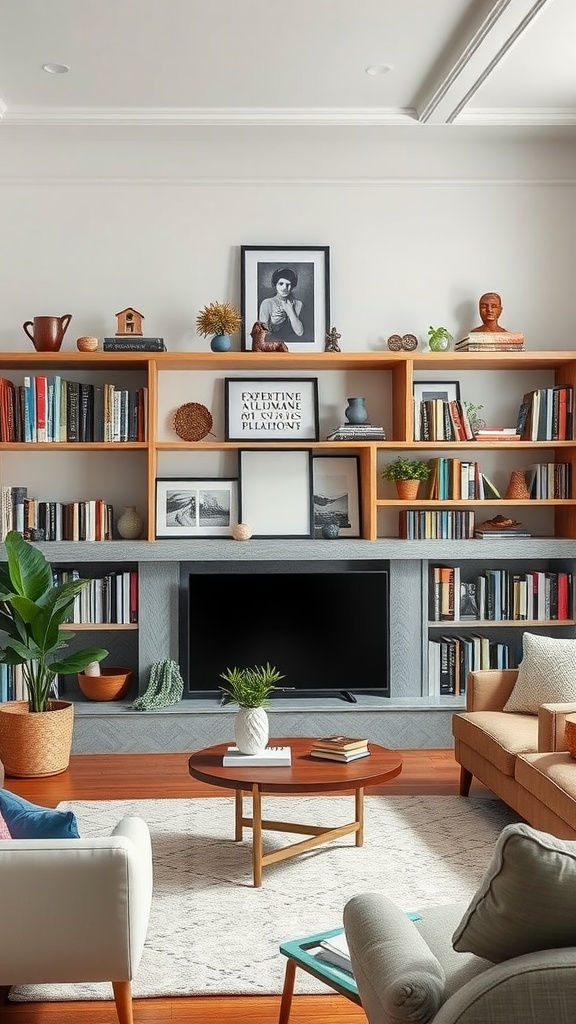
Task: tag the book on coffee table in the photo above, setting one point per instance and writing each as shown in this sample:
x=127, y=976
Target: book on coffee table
x=343, y=756
x=281, y=757
x=339, y=743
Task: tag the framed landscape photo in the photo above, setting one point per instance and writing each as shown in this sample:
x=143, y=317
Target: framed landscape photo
x=276, y=492
x=196, y=507
x=287, y=288
x=444, y=390
x=271, y=408
x=336, y=488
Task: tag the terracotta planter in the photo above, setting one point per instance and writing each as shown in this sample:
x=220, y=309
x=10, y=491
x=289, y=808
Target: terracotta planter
x=112, y=684
x=407, y=489
x=35, y=744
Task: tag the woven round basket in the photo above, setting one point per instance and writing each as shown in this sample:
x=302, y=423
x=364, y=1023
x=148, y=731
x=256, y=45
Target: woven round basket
x=35, y=744
x=571, y=734
x=192, y=421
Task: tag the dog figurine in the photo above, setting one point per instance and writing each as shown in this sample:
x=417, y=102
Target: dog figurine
x=262, y=341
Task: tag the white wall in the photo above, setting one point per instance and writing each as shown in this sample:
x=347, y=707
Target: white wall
x=95, y=219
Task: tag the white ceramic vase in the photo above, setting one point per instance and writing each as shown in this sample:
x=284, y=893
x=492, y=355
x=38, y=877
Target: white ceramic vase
x=251, y=730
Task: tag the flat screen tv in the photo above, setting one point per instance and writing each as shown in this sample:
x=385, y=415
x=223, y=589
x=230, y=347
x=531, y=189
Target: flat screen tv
x=326, y=631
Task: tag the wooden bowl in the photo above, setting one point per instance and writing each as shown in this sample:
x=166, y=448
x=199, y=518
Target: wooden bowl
x=87, y=344
x=112, y=684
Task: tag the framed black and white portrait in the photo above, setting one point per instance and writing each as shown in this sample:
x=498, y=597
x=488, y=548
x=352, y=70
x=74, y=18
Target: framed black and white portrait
x=337, y=494
x=276, y=492
x=196, y=507
x=287, y=288
x=271, y=408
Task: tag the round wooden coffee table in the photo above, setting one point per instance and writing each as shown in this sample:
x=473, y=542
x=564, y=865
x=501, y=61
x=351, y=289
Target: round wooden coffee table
x=306, y=775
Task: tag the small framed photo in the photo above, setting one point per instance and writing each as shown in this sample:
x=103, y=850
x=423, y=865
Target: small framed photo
x=271, y=409
x=444, y=390
x=337, y=494
x=287, y=288
x=276, y=492
x=196, y=507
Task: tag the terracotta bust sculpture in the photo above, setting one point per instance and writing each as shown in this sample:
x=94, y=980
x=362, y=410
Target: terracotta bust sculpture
x=490, y=308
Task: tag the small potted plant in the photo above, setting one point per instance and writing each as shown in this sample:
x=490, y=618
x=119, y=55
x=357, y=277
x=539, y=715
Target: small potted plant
x=250, y=689
x=221, y=320
x=32, y=610
x=439, y=339
x=406, y=474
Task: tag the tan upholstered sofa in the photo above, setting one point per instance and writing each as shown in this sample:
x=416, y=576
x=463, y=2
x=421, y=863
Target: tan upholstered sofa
x=522, y=758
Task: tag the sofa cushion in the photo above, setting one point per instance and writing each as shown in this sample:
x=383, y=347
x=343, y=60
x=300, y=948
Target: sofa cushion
x=546, y=674
x=28, y=821
x=4, y=830
x=551, y=779
x=525, y=901
x=497, y=736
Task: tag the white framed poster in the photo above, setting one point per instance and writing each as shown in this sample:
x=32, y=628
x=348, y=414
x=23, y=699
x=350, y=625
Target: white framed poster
x=275, y=498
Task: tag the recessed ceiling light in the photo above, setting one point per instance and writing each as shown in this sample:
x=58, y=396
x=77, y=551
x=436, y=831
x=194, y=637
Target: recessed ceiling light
x=378, y=69
x=56, y=69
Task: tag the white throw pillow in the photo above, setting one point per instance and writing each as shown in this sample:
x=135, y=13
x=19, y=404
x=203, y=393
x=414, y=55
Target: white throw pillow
x=526, y=899
x=546, y=675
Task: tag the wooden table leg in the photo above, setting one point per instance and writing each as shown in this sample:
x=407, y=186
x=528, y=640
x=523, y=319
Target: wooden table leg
x=287, y=992
x=238, y=796
x=256, y=835
x=359, y=807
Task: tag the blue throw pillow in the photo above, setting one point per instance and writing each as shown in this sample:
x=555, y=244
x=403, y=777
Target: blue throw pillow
x=28, y=821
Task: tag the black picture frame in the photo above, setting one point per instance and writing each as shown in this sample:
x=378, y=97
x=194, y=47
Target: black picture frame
x=309, y=267
x=271, y=409
x=336, y=481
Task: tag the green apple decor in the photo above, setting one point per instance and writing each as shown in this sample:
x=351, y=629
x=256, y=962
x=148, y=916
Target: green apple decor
x=439, y=339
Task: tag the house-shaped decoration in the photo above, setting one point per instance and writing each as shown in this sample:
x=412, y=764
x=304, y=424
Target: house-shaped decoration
x=129, y=322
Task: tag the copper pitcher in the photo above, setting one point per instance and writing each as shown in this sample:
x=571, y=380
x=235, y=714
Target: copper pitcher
x=48, y=333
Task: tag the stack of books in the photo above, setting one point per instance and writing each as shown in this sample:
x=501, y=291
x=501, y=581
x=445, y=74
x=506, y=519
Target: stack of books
x=491, y=341
x=270, y=757
x=497, y=434
x=357, y=432
x=340, y=748
x=123, y=343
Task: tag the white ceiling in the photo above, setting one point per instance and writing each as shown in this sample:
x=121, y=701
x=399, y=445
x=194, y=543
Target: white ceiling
x=462, y=62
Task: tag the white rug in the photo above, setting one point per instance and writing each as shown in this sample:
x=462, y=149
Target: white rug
x=212, y=932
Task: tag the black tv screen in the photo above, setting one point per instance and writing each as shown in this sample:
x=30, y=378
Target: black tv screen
x=323, y=630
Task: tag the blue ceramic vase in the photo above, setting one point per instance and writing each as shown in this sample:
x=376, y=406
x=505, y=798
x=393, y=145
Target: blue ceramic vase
x=356, y=411
x=220, y=343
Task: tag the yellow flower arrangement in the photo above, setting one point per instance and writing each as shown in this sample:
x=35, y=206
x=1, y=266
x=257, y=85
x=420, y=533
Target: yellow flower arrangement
x=218, y=318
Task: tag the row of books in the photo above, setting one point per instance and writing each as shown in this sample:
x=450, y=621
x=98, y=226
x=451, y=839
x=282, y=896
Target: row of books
x=454, y=480
x=91, y=520
x=340, y=748
x=500, y=595
x=13, y=687
x=547, y=414
x=432, y=524
x=56, y=410
x=439, y=420
x=549, y=480
x=112, y=598
x=451, y=658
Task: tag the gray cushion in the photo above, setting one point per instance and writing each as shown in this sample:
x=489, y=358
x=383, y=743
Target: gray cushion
x=526, y=899
x=399, y=978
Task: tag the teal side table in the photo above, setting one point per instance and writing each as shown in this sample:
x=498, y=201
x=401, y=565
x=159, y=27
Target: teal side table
x=299, y=954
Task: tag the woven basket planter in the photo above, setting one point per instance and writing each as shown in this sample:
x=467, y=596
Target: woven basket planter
x=407, y=490
x=33, y=745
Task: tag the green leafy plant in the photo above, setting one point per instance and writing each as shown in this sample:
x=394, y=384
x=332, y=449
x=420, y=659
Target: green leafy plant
x=32, y=610
x=250, y=687
x=218, y=318
x=406, y=469
x=439, y=338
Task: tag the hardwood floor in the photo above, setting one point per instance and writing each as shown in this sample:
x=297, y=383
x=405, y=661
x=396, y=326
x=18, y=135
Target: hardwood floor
x=149, y=776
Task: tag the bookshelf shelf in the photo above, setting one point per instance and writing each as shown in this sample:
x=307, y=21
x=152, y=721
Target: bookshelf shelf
x=457, y=624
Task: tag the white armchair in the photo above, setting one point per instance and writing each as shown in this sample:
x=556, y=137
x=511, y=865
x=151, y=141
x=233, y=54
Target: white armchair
x=76, y=910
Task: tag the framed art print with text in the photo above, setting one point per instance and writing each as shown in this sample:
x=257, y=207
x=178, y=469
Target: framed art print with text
x=195, y=507
x=271, y=408
x=287, y=288
x=337, y=494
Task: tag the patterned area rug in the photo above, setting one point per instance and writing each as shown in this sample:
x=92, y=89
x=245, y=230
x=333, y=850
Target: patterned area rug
x=211, y=932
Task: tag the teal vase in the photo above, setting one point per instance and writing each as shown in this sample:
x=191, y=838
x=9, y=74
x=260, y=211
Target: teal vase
x=220, y=343
x=356, y=411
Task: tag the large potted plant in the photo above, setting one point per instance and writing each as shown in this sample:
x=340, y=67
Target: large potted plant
x=36, y=734
x=250, y=689
x=406, y=474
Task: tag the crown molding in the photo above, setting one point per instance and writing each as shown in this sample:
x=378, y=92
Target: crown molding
x=209, y=116
x=354, y=181
x=536, y=117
